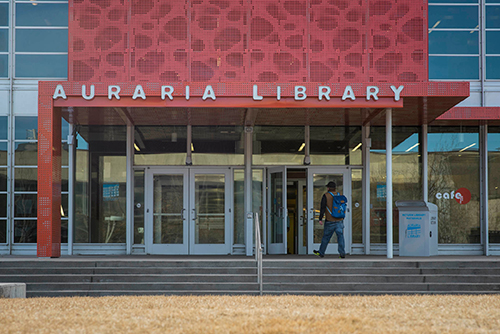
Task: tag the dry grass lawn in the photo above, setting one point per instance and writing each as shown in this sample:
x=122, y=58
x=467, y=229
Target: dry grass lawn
x=244, y=314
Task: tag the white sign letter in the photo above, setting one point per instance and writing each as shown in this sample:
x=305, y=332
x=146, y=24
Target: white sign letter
x=278, y=93
x=59, y=92
x=324, y=91
x=256, y=96
x=397, y=92
x=139, y=92
x=187, y=92
x=348, y=94
x=372, y=91
x=168, y=93
x=439, y=195
x=209, y=93
x=300, y=93
x=114, y=91
x=84, y=92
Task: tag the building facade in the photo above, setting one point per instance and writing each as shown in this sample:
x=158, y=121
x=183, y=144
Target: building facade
x=162, y=127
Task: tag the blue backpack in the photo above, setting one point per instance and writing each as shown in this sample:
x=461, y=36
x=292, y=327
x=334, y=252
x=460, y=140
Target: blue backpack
x=339, y=206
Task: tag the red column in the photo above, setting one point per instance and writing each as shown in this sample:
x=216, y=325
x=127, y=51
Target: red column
x=49, y=174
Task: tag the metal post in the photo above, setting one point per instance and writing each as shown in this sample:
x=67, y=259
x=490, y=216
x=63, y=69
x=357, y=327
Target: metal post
x=189, y=141
x=483, y=154
x=366, y=145
x=130, y=189
x=388, y=155
x=307, y=141
x=71, y=186
x=248, y=193
x=425, y=167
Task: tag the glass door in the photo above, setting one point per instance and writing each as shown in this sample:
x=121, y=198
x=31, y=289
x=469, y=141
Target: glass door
x=302, y=209
x=277, y=210
x=317, y=179
x=166, y=224
x=210, y=211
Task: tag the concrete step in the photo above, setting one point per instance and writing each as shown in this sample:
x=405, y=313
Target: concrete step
x=131, y=271
x=103, y=293
x=159, y=286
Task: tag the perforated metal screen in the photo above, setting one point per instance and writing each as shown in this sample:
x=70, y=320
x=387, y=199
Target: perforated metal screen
x=248, y=40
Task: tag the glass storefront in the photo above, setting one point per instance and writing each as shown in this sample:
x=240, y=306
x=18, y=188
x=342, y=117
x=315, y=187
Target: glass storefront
x=454, y=182
x=494, y=184
x=406, y=176
x=100, y=189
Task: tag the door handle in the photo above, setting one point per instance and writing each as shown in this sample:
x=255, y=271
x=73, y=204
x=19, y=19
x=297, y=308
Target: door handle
x=194, y=214
x=182, y=214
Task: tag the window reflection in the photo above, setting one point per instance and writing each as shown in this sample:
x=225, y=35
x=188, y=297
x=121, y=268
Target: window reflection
x=459, y=67
x=454, y=182
x=492, y=67
x=25, y=231
x=492, y=16
x=453, y=17
x=406, y=176
x=41, y=40
x=454, y=42
x=41, y=66
x=278, y=145
x=42, y=15
x=100, y=189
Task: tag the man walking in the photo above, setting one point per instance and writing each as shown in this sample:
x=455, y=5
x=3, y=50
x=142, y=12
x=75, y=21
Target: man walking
x=332, y=224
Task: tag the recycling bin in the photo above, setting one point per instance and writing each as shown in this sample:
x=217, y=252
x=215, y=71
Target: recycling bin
x=418, y=228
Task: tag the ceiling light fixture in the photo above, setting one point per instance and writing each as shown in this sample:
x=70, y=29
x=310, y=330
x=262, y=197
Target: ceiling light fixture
x=467, y=147
x=411, y=148
x=302, y=147
x=357, y=147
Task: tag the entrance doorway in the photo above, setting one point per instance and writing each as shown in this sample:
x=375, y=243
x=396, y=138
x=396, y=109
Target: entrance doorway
x=188, y=211
x=294, y=198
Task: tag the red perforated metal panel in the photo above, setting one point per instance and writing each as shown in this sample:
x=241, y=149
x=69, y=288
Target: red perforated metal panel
x=248, y=41
x=49, y=175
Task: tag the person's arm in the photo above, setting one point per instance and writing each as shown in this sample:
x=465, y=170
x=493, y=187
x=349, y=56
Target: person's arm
x=322, y=209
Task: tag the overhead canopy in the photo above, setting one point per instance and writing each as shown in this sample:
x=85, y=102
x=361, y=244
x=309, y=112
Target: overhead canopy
x=252, y=104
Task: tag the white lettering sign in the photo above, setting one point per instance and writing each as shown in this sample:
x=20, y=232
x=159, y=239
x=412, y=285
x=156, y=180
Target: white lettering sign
x=348, y=94
x=255, y=95
x=59, y=92
x=114, y=91
x=139, y=92
x=209, y=93
x=300, y=93
x=165, y=92
x=84, y=92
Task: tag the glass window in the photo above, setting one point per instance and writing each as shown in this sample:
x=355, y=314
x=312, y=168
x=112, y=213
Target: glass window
x=41, y=66
x=3, y=231
x=217, y=145
x=3, y=154
x=459, y=67
x=3, y=180
x=25, y=231
x=453, y=17
x=492, y=67
x=492, y=16
x=3, y=127
x=493, y=42
x=4, y=66
x=494, y=184
x=406, y=176
x=160, y=145
x=454, y=182
x=4, y=14
x=3, y=205
x=41, y=40
x=453, y=1
x=26, y=128
x=26, y=154
x=239, y=203
x=335, y=145
x=42, y=15
x=26, y=179
x=454, y=42
x=4, y=40
x=100, y=213
x=278, y=145
x=25, y=205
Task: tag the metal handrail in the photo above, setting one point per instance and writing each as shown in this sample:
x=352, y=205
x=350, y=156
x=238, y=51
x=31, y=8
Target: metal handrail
x=258, y=251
